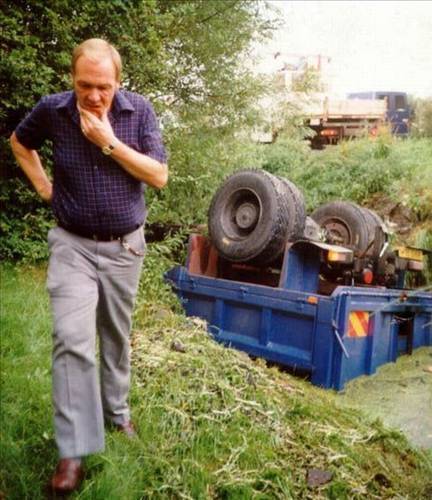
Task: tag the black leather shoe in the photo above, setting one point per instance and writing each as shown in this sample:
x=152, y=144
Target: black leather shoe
x=67, y=477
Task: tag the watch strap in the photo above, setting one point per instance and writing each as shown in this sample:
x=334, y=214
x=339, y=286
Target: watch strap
x=107, y=150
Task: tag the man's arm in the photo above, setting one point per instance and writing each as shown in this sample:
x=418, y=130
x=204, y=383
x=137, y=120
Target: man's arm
x=142, y=167
x=30, y=162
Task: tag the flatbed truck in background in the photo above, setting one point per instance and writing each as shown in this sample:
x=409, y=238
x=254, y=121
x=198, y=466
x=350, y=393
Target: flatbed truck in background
x=332, y=119
x=336, y=119
x=363, y=112
x=398, y=110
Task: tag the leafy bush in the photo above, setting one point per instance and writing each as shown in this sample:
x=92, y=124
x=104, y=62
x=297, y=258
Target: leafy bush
x=200, y=160
x=413, y=185
x=25, y=222
x=187, y=56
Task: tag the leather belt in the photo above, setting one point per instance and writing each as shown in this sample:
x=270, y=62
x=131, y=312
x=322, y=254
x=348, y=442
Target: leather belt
x=98, y=236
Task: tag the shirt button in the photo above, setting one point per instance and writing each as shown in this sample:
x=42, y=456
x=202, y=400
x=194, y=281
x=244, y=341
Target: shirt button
x=95, y=167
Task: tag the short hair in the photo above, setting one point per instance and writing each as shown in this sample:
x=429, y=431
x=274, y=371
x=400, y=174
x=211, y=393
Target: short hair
x=94, y=48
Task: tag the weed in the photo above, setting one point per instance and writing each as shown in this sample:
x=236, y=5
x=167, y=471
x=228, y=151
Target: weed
x=212, y=423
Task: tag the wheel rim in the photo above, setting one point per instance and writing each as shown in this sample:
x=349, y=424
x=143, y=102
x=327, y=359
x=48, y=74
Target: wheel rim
x=338, y=231
x=241, y=214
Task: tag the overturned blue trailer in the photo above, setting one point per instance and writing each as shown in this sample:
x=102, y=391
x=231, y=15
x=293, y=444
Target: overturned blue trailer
x=287, y=315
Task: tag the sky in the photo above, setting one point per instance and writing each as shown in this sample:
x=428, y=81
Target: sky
x=372, y=45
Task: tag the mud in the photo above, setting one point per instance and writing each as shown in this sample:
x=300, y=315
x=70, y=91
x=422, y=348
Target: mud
x=400, y=394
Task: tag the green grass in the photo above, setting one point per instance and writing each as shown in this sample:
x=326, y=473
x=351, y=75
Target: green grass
x=25, y=382
x=361, y=170
x=212, y=423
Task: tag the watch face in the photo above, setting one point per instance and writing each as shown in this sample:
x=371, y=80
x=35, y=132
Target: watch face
x=107, y=150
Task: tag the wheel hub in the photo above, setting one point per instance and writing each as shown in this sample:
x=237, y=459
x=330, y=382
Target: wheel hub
x=246, y=215
x=241, y=214
x=338, y=232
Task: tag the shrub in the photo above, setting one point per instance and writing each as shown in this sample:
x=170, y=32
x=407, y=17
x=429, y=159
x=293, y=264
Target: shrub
x=187, y=56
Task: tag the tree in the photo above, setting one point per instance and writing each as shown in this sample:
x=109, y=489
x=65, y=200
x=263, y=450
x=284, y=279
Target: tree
x=187, y=56
x=287, y=95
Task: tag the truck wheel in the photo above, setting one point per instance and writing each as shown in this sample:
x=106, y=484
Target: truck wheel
x=345, y=224
x=317, y=142
x=296, y=209
x=248, y=218
x=376, y=231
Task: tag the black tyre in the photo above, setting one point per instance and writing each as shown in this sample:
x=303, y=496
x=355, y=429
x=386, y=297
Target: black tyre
x=296, y=210
x=377, y=235
x=345, y=224
x=317, y=142
x=249, y=218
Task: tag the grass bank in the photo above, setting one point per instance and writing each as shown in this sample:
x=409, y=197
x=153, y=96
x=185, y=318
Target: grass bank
x=363, y=171
x=212, y=423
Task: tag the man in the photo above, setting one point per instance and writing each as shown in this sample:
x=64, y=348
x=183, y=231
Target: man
x=106, y=147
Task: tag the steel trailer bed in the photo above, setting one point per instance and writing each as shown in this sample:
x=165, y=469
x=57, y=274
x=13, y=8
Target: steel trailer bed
x=282, y=318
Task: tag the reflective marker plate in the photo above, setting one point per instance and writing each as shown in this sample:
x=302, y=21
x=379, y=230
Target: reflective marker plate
x=410, y=253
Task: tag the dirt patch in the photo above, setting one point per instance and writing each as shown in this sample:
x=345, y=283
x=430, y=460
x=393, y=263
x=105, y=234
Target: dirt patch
x=400, y=394
x=398, y=217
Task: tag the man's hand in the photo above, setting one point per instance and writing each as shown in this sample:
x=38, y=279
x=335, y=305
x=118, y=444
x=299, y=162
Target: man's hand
x=97, y=130
x=139, y=165
x=29, y=161
x=46, y=192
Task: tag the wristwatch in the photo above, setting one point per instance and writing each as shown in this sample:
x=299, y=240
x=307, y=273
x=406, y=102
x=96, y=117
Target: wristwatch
x=107, y=150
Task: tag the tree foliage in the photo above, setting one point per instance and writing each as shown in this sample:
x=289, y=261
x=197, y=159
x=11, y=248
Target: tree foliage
x=186, y=55
x=287, y=95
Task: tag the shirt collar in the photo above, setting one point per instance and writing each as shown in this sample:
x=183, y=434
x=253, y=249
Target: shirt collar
x=120, y=103
x=69, y=103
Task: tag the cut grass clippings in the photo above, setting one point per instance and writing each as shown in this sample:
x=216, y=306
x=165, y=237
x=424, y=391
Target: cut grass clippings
x=400, y=394
x=212, y=422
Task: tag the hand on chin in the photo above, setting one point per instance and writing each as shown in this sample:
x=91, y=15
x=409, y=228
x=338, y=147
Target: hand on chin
x=97, y=111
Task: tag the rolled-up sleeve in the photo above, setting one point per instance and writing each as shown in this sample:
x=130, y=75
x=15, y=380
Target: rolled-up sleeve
x=150, y=136
x=34, y=129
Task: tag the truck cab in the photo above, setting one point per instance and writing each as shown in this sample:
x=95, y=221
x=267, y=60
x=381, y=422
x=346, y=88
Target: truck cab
x=398, y=110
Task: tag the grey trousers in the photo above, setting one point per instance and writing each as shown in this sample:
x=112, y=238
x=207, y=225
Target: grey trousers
x=92, y=287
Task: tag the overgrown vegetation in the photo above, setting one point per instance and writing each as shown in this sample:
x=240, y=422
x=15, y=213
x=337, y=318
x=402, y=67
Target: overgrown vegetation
x=389, y=175
x=422, y=122
x=187, y=56
x=360, y=171
x=212, y=423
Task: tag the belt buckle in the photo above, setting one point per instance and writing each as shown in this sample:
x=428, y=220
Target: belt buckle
x=111, y=237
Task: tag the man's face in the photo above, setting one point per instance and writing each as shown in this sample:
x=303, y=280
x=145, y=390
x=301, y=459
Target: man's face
x=95, y=84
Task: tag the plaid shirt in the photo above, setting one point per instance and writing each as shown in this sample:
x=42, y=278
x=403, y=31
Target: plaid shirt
x=92, y=193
